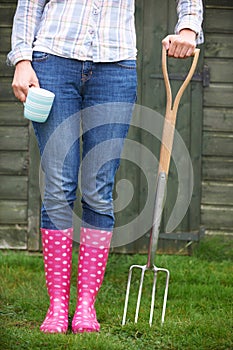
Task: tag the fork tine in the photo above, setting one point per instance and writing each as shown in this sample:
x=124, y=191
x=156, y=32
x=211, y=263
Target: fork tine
x=139, y=294
x=127, y=295
x=153, y=298
x=165, y=294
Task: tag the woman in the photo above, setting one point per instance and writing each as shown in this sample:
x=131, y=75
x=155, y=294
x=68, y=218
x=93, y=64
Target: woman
x=84, y=52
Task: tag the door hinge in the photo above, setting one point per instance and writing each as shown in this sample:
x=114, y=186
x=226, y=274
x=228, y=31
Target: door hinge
x=203, y=76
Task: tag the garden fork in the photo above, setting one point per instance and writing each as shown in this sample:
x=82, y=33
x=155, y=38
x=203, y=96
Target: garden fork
x=164, y=163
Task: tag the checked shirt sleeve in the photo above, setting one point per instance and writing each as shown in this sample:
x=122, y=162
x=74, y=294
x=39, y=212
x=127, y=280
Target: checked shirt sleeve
x=190, y=15
x=25, y=25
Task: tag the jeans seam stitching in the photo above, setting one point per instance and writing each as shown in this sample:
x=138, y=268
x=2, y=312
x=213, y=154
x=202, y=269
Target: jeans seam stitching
x=40, y=59
x=124, y=66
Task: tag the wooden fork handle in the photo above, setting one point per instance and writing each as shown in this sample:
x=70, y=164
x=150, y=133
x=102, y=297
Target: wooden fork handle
x=171, y=110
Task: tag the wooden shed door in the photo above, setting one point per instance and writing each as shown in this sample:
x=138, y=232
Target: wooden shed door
x=154, y=20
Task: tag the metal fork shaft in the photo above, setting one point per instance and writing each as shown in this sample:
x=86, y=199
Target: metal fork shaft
x=158, y=209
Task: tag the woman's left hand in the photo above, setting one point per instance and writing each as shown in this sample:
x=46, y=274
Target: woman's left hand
x=180, y=45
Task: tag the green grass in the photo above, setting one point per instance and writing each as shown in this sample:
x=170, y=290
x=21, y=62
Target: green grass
x=199, y=309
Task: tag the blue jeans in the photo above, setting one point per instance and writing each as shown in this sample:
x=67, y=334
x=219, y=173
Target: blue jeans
x=92, y=111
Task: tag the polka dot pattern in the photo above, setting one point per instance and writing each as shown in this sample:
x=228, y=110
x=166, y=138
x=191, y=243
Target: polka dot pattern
x=93, y=256
x=57, y=250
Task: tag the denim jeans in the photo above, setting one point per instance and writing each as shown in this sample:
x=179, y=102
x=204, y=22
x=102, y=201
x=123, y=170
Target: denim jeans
x=92, y=111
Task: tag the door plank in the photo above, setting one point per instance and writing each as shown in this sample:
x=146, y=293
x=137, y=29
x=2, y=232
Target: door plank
x=210, y=217
x=5, y=70
x=217, y=168
x=220, y=70
x=219, y=45
x=13, y=237
x=6, y=92
x=7, y=12
x=13, y=212
x=13, y=138
x=218, y=95
x=220, y=144
x=14, y=162
x=218, y=119
x=219, y=20
x=218, y=4
x=217, y=193
x=13, y=187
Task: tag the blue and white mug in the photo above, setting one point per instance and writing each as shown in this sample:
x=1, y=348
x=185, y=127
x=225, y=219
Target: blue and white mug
x=38, y=104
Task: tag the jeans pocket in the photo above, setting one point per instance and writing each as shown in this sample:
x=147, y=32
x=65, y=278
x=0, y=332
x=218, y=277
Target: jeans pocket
x=39, y=56
x=127, y=64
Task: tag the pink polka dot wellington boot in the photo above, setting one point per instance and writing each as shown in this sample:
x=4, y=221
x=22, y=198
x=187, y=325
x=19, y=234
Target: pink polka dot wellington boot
x=93, y=256
x=57, y=251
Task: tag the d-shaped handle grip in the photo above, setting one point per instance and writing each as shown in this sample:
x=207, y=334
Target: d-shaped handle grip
x=171, y=110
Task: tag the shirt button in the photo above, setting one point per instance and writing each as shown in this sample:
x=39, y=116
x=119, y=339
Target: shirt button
x=96, y=12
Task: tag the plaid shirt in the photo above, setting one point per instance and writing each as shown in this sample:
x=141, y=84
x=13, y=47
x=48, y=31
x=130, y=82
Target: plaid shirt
x=98, y=30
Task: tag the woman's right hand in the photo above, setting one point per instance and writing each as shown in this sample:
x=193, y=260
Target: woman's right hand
x=24, y=78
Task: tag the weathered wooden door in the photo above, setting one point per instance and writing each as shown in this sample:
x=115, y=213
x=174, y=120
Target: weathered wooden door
x=154, y=20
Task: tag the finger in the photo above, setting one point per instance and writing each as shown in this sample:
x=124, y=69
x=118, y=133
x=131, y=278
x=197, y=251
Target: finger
x=20, y=92
x=166, y=42
x=172, y=49
x=34, y=83
x=190, y=51
x=177, y=51
x=183, y=52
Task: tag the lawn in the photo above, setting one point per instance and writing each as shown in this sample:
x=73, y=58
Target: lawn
x=199, y=309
